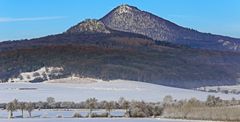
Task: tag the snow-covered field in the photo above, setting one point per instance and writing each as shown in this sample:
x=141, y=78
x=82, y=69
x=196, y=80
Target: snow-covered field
x=97, y=120
x=52, y=115
x=234, y=89
x=56, y=113
x=102, y=90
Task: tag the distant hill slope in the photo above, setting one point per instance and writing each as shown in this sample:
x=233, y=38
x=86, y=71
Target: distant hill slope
x=121, y=56
x=131, y=19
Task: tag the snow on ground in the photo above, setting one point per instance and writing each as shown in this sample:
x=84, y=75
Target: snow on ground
x=102, y=90
x=55, y=113
x=230, y=89
x=74, y=80
x=40, y=73
x=98, y=120
x=52, y=115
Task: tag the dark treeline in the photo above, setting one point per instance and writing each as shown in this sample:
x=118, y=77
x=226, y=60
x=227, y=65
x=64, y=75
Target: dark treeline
x=214, y=108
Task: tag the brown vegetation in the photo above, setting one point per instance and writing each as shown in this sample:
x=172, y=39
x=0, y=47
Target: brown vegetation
x=213, y=108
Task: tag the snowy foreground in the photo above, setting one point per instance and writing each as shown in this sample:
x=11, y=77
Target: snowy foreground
x=102, y=90
x=99, y=120
x=50, y=115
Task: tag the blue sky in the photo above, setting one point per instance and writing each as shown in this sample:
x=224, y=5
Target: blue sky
x=21, y=19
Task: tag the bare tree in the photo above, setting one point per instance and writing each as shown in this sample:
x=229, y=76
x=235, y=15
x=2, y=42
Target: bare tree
x=29, y=108
x=10, y=107
x=91, y=104
x=50, y=100
x=167, y=99
x=15, y=103
x=39, y=105
x=21, y=106
x=121, y=100
x=138, y=109
x=157, y=110
x=125, y=105
x=109, y=106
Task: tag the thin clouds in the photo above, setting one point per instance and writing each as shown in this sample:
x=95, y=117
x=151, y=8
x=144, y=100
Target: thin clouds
x=29, y=19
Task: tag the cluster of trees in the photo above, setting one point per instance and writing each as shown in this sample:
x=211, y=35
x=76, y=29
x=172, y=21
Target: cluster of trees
x=15, y=105
x=132, y=108
x=214, y=108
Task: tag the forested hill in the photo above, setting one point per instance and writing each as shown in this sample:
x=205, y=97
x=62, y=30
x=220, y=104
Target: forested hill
x=120, y=56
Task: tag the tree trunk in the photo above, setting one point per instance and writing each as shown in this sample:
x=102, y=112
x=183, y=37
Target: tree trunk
x=22, y=113
x=109, y=114
x=90, y=113
x=127, y=113
x=30, y=114
x=10, y=114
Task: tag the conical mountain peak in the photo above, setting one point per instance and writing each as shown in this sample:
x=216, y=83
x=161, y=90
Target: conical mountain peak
x=131, y=19
x=89, y=26
x=125, y=8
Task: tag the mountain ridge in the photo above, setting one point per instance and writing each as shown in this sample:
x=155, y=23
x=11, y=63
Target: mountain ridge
x=157, y=28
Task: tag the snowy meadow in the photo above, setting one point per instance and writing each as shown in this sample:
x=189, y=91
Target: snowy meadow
x=99, y=120
x=102, y=90
x=117, y=100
